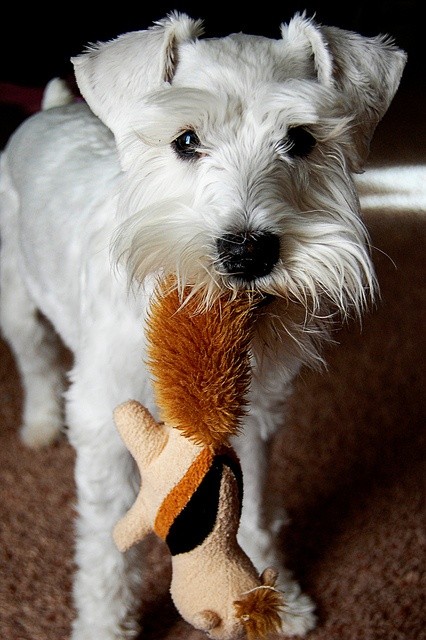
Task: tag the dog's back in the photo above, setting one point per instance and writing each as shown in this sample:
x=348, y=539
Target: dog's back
x=56, y=171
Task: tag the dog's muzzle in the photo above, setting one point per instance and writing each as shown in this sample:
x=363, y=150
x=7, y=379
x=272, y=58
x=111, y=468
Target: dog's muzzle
x=248, y=255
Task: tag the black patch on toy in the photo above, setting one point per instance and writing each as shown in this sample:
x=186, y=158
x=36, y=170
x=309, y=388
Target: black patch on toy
x=197, y=519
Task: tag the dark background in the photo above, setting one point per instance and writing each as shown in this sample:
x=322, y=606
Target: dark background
x=36, y=43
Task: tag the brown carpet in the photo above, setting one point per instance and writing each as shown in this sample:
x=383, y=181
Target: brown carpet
x=350, y=467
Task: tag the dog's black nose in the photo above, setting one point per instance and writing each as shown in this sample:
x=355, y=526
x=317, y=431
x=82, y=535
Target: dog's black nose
x=249, y=255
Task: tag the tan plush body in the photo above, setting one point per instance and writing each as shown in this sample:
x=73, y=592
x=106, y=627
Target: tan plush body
x=191, y=491
x=211, y=578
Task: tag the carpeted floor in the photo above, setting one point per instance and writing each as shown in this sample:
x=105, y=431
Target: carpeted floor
x=349, y=466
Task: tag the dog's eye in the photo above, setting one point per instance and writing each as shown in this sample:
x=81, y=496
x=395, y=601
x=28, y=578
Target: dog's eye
x=299, y=142
x=186, y=145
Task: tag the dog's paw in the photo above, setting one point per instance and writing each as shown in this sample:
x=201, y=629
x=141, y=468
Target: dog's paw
x=298, y=613
x=298, y=616
x=40, y=434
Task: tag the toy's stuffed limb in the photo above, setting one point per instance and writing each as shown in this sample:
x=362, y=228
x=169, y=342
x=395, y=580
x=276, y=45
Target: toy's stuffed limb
x=145, y=439
x=142, y=435
x=133, y=526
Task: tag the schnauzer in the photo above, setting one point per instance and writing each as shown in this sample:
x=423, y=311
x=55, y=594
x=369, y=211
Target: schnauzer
x=227, y=161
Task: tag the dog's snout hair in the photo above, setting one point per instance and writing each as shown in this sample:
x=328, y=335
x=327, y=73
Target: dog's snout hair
x=248, y=255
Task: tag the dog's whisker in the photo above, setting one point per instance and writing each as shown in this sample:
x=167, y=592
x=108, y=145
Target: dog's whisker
x=373, y=247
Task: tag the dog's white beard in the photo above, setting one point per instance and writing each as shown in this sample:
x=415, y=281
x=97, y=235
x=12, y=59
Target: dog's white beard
x=324, y=274
x=324, y=271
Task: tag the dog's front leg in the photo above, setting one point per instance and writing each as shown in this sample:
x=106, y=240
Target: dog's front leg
x=262, y=517
x=107, y=583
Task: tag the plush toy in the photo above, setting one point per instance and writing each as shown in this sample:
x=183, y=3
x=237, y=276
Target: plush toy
x=191, y=489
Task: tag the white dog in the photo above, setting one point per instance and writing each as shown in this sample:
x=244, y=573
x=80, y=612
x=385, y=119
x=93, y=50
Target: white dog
x=228, y=161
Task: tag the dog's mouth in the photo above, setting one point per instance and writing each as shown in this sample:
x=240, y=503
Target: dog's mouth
x=265, y=300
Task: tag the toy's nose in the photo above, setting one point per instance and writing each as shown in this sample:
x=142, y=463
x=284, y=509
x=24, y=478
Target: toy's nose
x=249, y=255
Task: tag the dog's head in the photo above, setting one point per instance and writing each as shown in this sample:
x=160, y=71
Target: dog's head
x=238, y=155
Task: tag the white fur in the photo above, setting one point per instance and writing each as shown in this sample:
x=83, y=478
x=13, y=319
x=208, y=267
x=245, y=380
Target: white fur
x=91, y=214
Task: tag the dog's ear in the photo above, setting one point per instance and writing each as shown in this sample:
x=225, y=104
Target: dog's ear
x=113, y=76
x=366, y=71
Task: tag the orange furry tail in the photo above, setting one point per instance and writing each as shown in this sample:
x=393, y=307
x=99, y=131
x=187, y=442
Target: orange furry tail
x=200, y=359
